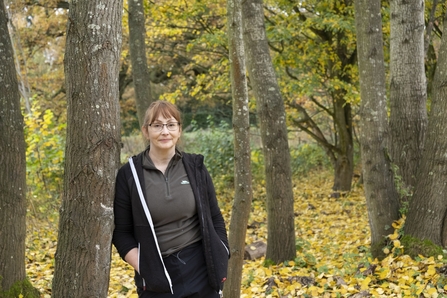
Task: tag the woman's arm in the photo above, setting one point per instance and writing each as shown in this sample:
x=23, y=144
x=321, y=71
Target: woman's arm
x=132, y=258
x=123, y=234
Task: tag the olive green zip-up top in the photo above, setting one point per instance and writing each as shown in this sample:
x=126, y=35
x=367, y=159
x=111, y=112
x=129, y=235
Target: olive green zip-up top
x=171, y=204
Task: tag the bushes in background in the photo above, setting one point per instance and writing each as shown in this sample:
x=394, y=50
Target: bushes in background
x=216, y=144
x=45, y=139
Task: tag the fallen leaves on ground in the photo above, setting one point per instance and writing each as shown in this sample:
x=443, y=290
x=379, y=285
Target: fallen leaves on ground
x=333, y=260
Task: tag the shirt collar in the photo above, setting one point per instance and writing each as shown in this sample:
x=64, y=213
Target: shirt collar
x=149, y=165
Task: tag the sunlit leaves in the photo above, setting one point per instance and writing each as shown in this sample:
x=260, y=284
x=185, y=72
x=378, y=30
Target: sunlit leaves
x=45, y=139
x=39, y=41
x=188, y=41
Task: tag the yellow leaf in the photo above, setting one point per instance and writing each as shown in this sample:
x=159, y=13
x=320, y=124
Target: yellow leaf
x=430, y=271
x=420, y=288
x=393, y=236
x=384, y=273
x=432, y=291
x=365, y=283
x=344, y=290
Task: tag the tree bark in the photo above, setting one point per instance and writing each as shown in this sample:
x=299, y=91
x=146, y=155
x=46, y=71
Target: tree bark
x=344, y=163
x=408, y=91
x=13, y=167
x=381, y=195
x=82, y=262
x=242, y=154
x=426, y=217
x=137, y=47
x=272, y=117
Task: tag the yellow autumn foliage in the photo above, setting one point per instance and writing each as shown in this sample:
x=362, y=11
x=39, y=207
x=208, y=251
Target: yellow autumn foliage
x=332, y=260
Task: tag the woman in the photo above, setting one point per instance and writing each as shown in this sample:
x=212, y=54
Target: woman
x=168, y=225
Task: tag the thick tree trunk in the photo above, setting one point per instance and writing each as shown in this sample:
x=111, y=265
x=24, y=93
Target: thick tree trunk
x=427, y=216
x=272, y=118
x=381, y=196
x=13, y=167
x=92, y=56
x=137, y=47
x=344, y=164
x=242, y=154
x=408, y=92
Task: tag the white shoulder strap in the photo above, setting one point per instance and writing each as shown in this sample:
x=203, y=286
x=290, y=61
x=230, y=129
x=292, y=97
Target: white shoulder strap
x=149, y=217
x=140, y=193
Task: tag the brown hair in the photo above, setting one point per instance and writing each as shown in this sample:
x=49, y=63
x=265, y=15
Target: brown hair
x=164, y=108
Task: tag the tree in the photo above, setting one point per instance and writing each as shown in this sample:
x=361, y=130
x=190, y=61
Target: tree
x=425, y=208
x=82, y=261
x=381, y=195
x=426, y=219
x=137, y=47
x=272, y=118
x=13, y=172
x=314, y=50
x=242, y=155
x=408, y=90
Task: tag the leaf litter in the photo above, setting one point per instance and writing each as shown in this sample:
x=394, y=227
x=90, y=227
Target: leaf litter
x=332, y=260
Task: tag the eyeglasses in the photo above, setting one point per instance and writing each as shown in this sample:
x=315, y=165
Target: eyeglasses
x=171, y=126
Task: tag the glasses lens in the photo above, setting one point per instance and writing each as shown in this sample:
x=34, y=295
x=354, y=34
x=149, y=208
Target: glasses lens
x=156, y=126
x=172, y=126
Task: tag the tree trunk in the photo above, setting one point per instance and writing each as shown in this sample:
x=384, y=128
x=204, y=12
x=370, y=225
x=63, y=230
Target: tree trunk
x=408, y=92
x=344, y=164
x=272, y=117
x=92, y=56
x=427, y=213
x=242, y=154
x=380, y=193
x=13, y=167
x=137, y=47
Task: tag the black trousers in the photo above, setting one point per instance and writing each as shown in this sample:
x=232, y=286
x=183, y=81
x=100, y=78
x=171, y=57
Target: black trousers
x=188, y=273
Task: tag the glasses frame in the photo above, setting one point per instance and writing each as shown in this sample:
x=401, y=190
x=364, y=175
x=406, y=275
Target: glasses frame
x=163, y=125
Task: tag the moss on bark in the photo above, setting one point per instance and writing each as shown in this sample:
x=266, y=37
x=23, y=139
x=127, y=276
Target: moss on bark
x=414, y=247
x=23, y=289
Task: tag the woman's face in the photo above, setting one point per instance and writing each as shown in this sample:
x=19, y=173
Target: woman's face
x=163, y=133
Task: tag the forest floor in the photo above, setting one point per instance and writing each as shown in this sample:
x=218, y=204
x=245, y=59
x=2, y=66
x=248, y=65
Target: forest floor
x=333, y=260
